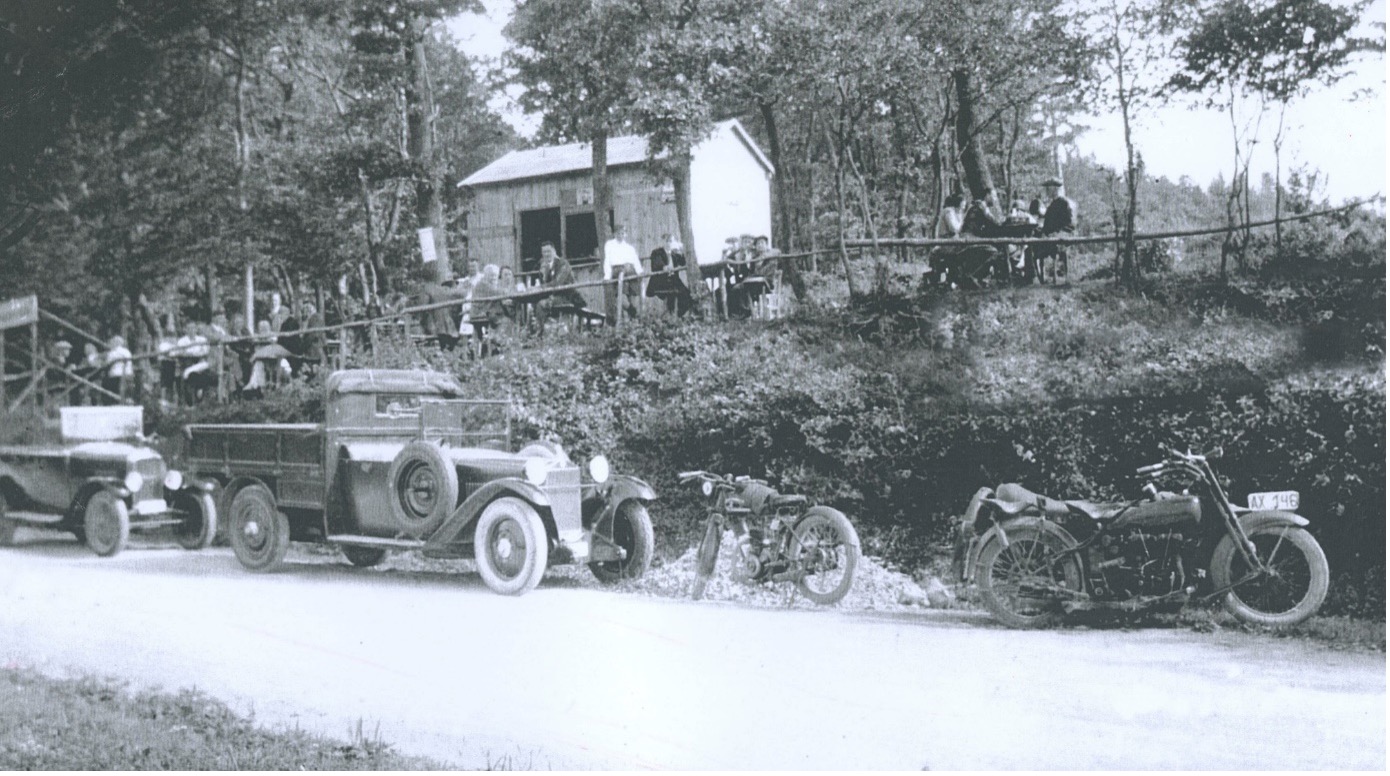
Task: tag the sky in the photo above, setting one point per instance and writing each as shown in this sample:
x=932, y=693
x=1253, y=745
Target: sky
x=1339, y=131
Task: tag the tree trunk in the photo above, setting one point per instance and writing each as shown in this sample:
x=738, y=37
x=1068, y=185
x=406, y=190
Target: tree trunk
x=880, y=260
x=243, y=151
x=1279, y=183
x=599, y=142
x=779, y=191
x=420, y=116
x=840, y=219
x=680, y=180
x=972, y=157
x=1127, y=266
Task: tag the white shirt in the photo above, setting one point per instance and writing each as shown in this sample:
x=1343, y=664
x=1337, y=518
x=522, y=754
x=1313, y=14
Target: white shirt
x=617, y=253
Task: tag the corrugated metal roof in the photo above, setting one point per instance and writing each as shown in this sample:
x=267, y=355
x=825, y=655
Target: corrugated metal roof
x=577, y=157
x=553, y=160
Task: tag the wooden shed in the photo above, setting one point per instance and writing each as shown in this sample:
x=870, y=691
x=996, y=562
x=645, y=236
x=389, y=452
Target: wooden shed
x=546, y=194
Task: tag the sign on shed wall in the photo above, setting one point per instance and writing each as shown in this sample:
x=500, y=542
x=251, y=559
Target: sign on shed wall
x=20, y=311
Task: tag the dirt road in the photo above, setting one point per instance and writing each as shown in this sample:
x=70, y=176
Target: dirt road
x=579, y=678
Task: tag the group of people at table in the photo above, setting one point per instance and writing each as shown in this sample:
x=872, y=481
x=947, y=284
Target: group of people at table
x=970, y=265
x=488, y=296
x=186, y=366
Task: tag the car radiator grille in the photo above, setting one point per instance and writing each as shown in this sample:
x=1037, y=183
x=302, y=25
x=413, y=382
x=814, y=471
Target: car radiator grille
x=562, y=486
x=152, y=471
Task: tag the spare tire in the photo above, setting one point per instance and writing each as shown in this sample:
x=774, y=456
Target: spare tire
x=424, y=488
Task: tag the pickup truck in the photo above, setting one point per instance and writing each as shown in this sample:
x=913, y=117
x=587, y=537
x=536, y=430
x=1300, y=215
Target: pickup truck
x=402, y=462
x=100, y=482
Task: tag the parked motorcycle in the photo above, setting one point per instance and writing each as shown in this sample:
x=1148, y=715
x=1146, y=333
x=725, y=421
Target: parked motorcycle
x=1034, y=558
x=778, y=538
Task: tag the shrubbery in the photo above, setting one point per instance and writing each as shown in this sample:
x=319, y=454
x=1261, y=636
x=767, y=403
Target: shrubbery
x=1036, y=388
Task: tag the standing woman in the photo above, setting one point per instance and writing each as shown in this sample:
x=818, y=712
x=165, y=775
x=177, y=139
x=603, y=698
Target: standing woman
x=665, y=284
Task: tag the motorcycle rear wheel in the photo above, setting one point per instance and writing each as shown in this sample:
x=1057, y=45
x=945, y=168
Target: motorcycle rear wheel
x=827, y=548
x=705, y=558
x=1290, y=594
x=1032, y=558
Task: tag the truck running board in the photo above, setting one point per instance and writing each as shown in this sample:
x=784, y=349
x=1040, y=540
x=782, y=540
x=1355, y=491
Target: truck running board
x=376, y=541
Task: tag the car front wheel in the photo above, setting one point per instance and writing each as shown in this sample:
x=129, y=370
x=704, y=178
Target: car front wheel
x=106, y=523
x=510, y=546
x=7, y=524
x=629, y=527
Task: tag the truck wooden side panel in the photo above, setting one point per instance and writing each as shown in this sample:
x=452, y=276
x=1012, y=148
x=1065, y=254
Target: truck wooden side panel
x=286, y=456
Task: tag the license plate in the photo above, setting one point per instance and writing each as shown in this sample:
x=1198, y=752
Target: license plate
x=1286, y=500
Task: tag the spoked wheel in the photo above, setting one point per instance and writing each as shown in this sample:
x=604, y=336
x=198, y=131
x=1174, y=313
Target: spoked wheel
x=827, y=548
x=1292, y=588
x=259, y=533
x=364, y=557
x=629, y=527
x=1022, y=584
x=106, y=523
x=511, y=546
x=705, y=558
x=199, y=525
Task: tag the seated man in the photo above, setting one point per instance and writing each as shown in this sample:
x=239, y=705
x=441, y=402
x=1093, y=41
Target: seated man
x=556, y=273
x=1059, y=218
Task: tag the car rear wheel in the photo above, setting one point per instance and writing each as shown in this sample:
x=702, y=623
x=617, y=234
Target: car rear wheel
x=629, y=527
x=510, y=546
x=106, y=523
x=199, y=515
x=424, y=488
x=259, y=533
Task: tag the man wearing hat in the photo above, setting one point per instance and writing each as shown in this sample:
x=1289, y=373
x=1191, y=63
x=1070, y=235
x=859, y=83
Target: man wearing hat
x=1060, y=217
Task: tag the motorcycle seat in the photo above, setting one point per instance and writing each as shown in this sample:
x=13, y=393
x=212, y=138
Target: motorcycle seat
x=1013, y=499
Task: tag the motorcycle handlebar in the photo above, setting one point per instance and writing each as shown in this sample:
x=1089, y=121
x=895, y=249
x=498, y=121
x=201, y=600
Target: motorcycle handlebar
x=689, y=475
x=1148, y=469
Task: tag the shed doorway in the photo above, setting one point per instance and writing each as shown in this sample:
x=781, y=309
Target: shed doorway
x=538, y=226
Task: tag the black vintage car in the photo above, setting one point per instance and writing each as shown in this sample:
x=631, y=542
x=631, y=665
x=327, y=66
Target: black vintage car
x=402, y=462
x=102, y=489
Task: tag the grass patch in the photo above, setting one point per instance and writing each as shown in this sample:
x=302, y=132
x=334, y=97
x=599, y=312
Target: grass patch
x=97, y=724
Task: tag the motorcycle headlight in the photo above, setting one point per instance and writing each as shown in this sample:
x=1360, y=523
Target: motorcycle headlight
x=134, y=482
x=707, y=487
x=536, y=471
x=598, y=469
x=173, y=480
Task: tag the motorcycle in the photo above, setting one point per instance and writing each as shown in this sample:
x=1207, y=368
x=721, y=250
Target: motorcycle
x=777, y=538
x=1034, y=559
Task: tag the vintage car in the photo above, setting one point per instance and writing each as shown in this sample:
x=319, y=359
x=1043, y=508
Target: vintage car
x=100, y=483
x=402, y=462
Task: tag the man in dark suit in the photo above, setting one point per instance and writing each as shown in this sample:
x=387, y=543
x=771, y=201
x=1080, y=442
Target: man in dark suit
x=1059, y=218
x=556, y=273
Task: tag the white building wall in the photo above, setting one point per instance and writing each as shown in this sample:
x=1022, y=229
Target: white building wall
x=730, y=193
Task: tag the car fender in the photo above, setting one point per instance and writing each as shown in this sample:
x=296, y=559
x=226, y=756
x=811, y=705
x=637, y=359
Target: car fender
x=455, y=528
x=229, y=491
x=93, y=485
x=604, y=501
x=1001, y=531
x=1253, y=520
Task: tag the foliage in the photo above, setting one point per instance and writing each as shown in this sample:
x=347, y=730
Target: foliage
x=90, y=723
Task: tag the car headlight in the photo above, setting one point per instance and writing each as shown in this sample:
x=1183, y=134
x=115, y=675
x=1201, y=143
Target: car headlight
x=536, y=471
x=134, y=482
x=173, y=479
x=598, y=469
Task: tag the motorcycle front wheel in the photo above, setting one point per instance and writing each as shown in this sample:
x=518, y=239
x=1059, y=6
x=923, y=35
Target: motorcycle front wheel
x=1289, y=593
x=705, y=558
x=1021, y=584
